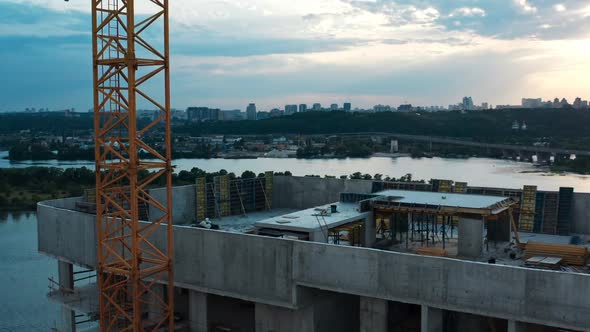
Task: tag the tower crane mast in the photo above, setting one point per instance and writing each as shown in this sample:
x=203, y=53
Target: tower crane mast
x=131, y=67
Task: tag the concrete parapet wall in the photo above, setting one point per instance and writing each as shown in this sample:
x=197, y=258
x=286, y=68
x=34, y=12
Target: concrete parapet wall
x=544, y=297
x=305, y=192
x=243, y=266
x=269, y=271
x=66, y=234
x=184, y=204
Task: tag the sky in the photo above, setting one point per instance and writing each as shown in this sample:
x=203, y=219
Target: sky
x=227, y=54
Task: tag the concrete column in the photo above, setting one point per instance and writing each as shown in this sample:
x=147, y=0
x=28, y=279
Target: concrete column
x=370, y=231
x=431, y=319
x=65, y=273
x=159, y=290
x=470, y=237
x=514, y=326
x=373, y=315
x=269, y=318
x=319, y=236
x=197, y=308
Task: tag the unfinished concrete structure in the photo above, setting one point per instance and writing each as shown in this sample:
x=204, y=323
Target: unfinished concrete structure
x=319, y=259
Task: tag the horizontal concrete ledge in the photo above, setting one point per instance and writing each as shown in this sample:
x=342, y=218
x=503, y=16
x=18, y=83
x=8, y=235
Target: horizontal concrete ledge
x=277, y=271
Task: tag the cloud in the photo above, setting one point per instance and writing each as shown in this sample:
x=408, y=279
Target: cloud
x=525, y=6
x=467, y=11
x=559, y=7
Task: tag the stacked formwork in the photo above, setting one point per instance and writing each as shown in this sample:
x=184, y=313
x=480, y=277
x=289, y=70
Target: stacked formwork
x=527, y=209
x=564, y=210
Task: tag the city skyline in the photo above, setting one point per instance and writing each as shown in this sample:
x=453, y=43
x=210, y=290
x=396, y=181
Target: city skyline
x=367, y=52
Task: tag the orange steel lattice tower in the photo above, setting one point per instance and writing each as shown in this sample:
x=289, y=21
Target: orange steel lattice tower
x=131, y=68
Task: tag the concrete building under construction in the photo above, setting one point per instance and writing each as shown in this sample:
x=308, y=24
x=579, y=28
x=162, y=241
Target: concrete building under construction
x=282, y=253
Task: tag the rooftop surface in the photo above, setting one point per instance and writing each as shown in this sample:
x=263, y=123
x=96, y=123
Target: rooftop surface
x=443, y=199
x=310, y=220
x=245, y=222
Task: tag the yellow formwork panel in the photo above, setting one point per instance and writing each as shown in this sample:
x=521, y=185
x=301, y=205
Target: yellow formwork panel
x=527, y=208
x=224, y=195
x=201, y=199
x=268, y=188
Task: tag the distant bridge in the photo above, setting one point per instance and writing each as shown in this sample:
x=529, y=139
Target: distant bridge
x=454, y=141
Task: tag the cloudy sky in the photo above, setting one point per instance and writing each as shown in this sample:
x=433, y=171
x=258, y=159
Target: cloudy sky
x=273, y=52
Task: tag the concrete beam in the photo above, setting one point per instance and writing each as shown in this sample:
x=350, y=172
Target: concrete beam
x=271, y=318
x=197, y=306
x=373, y=315
x=431, y=319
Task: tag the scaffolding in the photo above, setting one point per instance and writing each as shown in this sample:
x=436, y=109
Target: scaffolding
x=223, y=197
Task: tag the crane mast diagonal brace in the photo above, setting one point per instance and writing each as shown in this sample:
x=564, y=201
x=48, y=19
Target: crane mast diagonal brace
x=131, y=67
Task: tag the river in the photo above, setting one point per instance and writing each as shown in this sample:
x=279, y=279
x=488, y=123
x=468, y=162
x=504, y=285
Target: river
x=475, y=171
x=23, y=276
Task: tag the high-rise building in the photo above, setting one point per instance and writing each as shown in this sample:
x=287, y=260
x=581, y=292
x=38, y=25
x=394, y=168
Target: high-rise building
x=485, y=106
x=302, y=108
x=251, y=112
x=347, y=107
x=290, y=109
x=317, y=107
x=334, y=107
x=468, y=104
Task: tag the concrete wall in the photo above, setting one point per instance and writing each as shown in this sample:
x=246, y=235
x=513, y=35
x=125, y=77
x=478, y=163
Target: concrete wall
x=545, y=297
x=66, y=235
x=306, y=192
x=184, y=203
x=277, y=272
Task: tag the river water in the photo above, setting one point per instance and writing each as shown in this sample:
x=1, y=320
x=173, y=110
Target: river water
x=23, y=276
x=475, y=171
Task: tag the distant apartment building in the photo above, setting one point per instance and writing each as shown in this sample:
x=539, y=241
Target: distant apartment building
x=347, y=107
x=317, y=107
x=232, y=115
x=302, y=108
x=382, y=108
x=251, y=112
x=580, y=104
x=275, y=113
x=405, y=108
x=532, y=103
x=334, y=107
x=262, y=115
x=485, y=106
x=200, y=114
x=468, y=104
x=290, y=109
